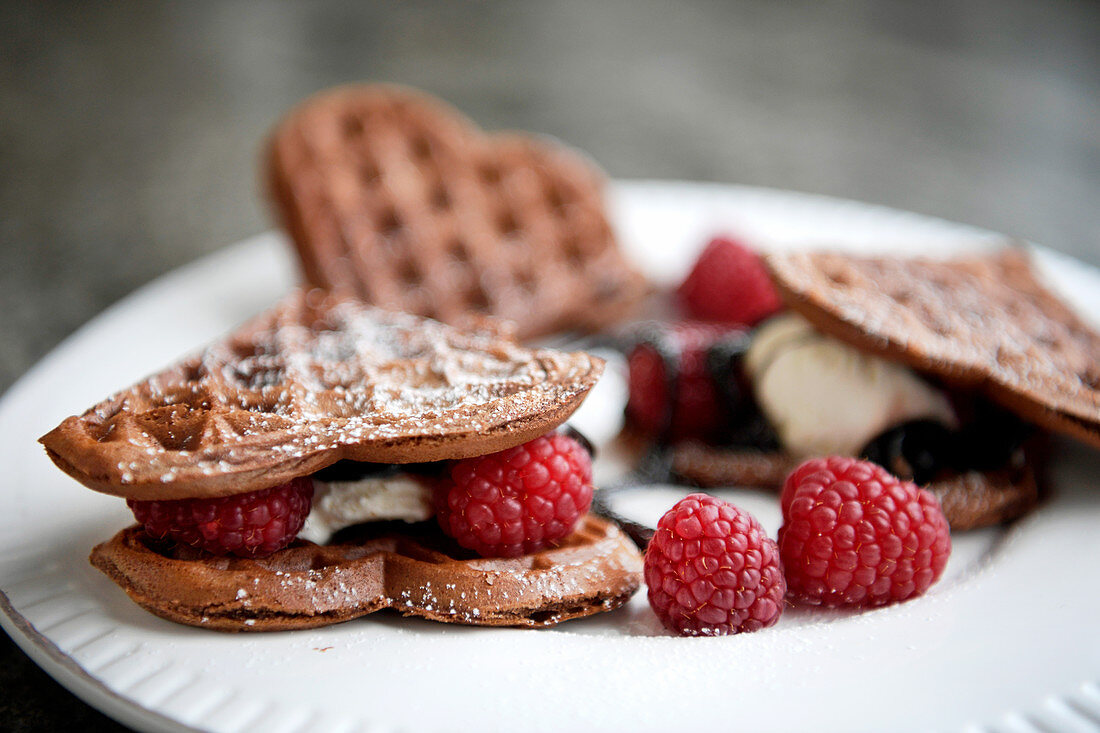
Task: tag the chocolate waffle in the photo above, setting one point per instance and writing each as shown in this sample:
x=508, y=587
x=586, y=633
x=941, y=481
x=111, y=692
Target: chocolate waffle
x=319, y=379
x=396, y=198
x=416, y=571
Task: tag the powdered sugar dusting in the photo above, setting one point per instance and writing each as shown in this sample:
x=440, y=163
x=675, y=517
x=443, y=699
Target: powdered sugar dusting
x=318, y=374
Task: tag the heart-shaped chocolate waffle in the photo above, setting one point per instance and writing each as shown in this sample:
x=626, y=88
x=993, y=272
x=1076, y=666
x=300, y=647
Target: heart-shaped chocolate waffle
x=396, y=198
x=317, y=379
x=416, y=571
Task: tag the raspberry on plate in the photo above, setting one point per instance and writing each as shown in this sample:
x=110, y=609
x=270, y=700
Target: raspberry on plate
x=518, y=501
x=674, y=393
x=711, y=570
x=729, y=284
x=252, y=524
x=855, y=535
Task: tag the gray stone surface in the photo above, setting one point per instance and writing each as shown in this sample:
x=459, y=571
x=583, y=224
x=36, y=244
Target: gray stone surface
x=129, y=130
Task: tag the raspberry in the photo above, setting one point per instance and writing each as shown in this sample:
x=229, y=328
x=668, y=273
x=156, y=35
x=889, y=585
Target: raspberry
x=854, y=535
x=712, y=571
x=250, y=525
x=648, y=401
x=517, y=501
x=699, y=409
x=729, y=284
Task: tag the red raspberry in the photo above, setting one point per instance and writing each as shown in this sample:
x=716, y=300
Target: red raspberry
x=517, y=501
x=648, y=402
x=712, y=571
x=250, y=525
x=699, y=410
x=854, y=535
x=729, y=284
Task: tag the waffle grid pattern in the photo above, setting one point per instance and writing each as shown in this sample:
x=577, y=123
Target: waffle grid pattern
x=397, y=199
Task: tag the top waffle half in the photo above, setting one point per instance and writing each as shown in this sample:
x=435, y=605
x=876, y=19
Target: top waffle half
x=983, y=322
x=317, y=379
x=397, y=199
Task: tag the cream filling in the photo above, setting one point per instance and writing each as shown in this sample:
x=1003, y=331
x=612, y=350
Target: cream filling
x=824, y=397
x=340, y=504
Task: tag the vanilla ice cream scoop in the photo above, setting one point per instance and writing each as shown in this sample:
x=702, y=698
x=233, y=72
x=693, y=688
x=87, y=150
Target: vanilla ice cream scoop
x=340, y=504
x=824, y=397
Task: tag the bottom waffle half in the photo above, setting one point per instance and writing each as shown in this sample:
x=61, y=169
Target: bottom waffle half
x=418, y=572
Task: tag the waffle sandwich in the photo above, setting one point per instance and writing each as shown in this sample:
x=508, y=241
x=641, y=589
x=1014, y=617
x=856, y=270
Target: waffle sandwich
x=982, y=361
x=322, y=386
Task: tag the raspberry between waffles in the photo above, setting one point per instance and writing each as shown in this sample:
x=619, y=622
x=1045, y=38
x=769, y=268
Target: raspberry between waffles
x=254, y=524
x=675, y=394
x=855, y=535
x=517, y=501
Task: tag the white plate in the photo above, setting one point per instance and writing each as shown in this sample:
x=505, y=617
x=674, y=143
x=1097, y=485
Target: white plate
x=1008, y=640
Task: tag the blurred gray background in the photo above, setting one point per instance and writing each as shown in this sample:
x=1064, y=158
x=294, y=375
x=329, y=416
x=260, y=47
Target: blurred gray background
x=129, y=130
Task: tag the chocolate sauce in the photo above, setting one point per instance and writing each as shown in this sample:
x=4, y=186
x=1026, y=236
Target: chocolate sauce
x=359, y=470
x=924, y=450
x=581, y=438
x=919, y=450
